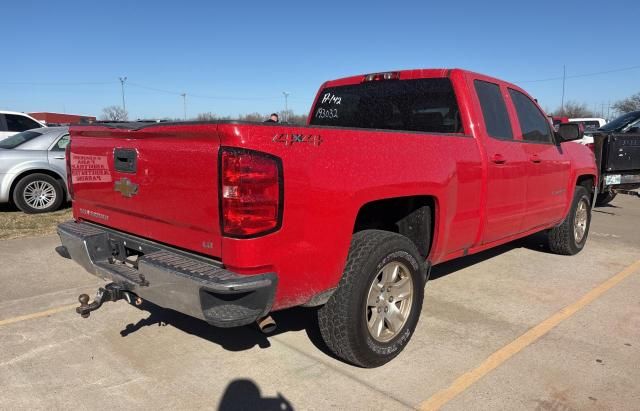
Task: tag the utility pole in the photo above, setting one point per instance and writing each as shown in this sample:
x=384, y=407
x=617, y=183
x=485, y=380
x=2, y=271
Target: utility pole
x=286, y=106
x=184, y=103
x=564, y=78
x=122, y=80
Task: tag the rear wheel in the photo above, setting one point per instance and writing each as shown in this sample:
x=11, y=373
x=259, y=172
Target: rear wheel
x=605, y=198
x=38, y=193
x=374, y=311
x=570, y=237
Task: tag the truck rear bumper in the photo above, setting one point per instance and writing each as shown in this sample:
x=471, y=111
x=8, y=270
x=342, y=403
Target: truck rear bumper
x=168, y=277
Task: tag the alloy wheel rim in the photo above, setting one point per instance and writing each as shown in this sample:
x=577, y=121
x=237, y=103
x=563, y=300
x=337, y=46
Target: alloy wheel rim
x=389, y=301
x=39, y=194
x=580, y=220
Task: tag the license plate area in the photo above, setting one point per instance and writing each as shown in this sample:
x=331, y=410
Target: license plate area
x=611, y=179
x=128, y=251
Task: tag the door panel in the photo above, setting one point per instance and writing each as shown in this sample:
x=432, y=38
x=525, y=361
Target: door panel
x=547, y=183
x=506, y=190
x=506, y=165
x=547, y=167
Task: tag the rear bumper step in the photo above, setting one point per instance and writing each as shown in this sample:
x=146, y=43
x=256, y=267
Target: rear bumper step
x=168, y=277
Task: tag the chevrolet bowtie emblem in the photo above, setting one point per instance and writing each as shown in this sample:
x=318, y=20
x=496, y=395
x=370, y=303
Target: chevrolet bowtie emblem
x=125, y=187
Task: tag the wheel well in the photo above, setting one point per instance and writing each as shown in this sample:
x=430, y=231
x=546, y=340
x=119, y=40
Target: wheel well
x=587, y=181
x=410, y=216
x=36, y=171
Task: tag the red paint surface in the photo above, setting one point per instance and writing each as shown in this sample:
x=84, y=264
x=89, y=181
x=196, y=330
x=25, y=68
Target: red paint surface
x=479, y=203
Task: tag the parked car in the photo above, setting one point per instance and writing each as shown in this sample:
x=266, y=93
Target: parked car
x=617, y=149
x=228, y=221
x=12, y=122
x=590, y=124
x=33, y=172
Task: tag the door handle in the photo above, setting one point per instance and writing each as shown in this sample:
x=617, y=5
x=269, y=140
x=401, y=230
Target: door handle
x=535, y=159
x=498, y=159
x=59, y=158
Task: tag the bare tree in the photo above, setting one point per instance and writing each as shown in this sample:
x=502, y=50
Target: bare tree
x=290, y=117
x=253, y=117
x=208, y=116
x=628, y=104
x=114, y=113
x=573, y=109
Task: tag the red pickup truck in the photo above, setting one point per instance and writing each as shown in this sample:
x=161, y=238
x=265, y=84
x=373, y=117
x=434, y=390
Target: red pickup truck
x=395, y=172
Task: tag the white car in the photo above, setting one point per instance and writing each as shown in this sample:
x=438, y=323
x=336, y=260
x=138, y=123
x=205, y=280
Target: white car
x=12, y=122
x=590, y=124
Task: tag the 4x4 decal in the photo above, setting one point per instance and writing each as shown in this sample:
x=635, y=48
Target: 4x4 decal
x=290, y=139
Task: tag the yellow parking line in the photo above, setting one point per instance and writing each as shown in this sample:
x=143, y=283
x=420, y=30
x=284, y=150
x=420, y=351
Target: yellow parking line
x=37, y=315
x=497, y=358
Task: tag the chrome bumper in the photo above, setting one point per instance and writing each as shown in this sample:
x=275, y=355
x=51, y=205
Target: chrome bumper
x=168, y=277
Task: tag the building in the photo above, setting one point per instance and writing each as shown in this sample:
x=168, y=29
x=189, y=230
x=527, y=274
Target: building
x=61, y=118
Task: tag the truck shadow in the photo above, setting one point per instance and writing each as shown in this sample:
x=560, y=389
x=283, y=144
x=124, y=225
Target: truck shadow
x=237, y=338
x=298, y=318
x=536, y=242
x=244, y=394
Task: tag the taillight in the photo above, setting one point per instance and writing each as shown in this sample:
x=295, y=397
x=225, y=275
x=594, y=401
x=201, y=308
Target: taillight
x=67, y=160
x=251, y=192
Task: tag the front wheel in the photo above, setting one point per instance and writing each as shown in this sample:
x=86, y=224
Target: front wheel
x=375, y=309
x=570, y=237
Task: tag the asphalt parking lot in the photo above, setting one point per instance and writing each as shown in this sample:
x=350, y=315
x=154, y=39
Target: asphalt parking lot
x=512, y=328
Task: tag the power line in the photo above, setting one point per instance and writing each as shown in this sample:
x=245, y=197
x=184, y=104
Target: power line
x=178, y=93
x=84, y=83
x=580, y=75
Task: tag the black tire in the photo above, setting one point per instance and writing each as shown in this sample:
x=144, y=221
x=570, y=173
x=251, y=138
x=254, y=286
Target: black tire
x=343, y=320
x=23, y=194
x=605, y=198
x=563, y=238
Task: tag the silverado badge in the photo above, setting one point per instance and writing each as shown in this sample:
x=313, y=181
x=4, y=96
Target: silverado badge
x=126, y=187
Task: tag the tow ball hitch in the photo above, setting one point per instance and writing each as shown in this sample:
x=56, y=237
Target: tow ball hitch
x=110, y=292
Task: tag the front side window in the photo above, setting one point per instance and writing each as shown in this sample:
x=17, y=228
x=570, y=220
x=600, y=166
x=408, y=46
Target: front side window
x=494, y=110
x=426, y=105
x=533, y=124
x=61, y=144
x=20, y=123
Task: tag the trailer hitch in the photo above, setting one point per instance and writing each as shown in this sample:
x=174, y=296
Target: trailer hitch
x=110, y=292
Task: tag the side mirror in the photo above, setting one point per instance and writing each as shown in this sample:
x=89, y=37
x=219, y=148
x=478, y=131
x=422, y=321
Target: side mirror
x=570, y=131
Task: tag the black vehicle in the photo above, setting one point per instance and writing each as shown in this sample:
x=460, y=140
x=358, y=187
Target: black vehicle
x=617, y=149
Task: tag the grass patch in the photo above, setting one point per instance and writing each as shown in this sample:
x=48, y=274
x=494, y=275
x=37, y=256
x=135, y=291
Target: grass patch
x=16, y=224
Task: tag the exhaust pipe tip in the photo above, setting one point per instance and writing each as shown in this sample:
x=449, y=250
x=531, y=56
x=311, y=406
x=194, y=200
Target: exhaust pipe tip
x=267, y=325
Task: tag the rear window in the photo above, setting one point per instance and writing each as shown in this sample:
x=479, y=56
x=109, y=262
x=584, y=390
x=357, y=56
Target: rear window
x=427, y=105
x=588, y=125
x=18, y=139
x=494, y=110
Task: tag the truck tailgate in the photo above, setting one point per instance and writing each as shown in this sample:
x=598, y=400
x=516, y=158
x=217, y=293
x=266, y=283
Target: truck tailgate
x=623, y=153
x=158, y=182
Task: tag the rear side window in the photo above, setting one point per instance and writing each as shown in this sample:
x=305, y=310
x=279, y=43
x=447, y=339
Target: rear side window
x=533, y=124
x=18, y=139
x=427, y=105
x=494, y=110
x=20, y=123
x=61, y=144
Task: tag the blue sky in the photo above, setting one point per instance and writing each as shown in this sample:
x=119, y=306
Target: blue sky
x=67, y=55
